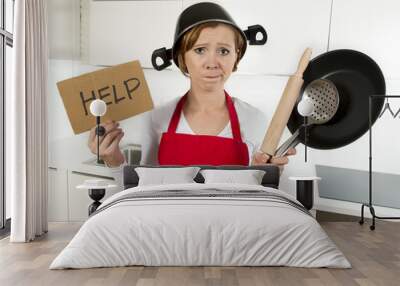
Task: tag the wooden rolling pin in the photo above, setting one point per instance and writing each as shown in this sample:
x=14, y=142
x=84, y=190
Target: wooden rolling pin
x=285, y=107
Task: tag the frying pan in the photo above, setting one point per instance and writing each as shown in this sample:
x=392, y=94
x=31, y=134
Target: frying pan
x=356, y=76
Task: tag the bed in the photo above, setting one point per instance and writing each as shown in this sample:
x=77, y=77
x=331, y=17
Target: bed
x=201, y=224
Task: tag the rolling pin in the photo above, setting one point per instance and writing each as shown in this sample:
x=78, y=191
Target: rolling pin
x=285, y=107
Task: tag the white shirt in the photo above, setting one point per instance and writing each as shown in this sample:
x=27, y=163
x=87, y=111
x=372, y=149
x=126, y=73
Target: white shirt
x=253, y=125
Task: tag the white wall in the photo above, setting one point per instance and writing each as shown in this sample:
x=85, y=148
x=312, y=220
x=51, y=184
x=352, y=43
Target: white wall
x=366, y=25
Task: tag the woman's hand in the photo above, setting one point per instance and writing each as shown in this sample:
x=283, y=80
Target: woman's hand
x=261, y=158
x=109, y=143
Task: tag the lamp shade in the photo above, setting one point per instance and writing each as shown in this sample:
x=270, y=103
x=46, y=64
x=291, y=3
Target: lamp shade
x=305, y=107
x=98, y=107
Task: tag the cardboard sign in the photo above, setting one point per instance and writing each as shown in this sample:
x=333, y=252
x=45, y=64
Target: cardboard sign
x=123, y=88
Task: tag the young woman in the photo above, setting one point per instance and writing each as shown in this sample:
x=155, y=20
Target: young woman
x=205, y=126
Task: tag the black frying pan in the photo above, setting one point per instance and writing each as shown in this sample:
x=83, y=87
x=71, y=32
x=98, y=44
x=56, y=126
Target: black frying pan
x=356, y=76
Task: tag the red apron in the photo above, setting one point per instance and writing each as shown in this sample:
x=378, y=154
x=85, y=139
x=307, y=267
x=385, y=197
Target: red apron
x=186, y=149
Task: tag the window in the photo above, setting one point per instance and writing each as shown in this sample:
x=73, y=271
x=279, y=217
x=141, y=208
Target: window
x=6, y=44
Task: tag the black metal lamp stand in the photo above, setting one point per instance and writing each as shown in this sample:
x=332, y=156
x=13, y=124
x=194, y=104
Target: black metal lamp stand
x=370, y=205
x=100, y=131
x=305, y=138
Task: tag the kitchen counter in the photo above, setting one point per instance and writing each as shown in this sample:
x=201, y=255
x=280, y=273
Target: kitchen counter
x=73, y=154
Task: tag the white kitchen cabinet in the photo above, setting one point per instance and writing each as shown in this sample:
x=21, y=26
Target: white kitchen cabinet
x=63, y=29
x=78, y=199
x=65, y=201
x=291, y=27
x=122, y=31
x=57, y=195
x=371, y=27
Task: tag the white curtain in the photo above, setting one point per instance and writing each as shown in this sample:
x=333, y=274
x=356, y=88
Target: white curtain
x=26, y=123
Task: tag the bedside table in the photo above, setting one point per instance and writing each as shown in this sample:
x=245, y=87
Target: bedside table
x=305, y=190
x=96, y=190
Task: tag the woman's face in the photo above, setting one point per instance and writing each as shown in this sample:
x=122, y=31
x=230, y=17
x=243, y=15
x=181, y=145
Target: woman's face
x=211, y=60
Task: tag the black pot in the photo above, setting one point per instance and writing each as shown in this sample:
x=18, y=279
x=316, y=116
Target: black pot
x=197, y=14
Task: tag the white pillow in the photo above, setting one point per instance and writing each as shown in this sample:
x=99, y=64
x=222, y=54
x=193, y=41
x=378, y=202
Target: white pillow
x=248, y=177
x=162, y=176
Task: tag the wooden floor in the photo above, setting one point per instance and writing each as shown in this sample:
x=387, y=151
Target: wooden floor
x=374, y=255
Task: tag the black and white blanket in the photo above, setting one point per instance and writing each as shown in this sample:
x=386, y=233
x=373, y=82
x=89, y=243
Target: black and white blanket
x=201, y=224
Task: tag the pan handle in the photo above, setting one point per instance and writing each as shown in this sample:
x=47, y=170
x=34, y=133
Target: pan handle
x=165, y=55
x=292, y=141
x=252, y=32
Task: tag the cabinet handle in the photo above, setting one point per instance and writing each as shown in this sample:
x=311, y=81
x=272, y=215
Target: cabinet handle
x=52, y=168
x=92, y=175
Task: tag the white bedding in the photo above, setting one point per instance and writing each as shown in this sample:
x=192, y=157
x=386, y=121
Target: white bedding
x=186, y=230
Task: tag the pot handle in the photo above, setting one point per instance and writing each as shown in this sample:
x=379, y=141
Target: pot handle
x=251, y=33
x=165, y=55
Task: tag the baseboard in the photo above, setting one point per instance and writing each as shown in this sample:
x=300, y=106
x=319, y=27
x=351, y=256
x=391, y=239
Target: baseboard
x=353, y=209
x=323, y=216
